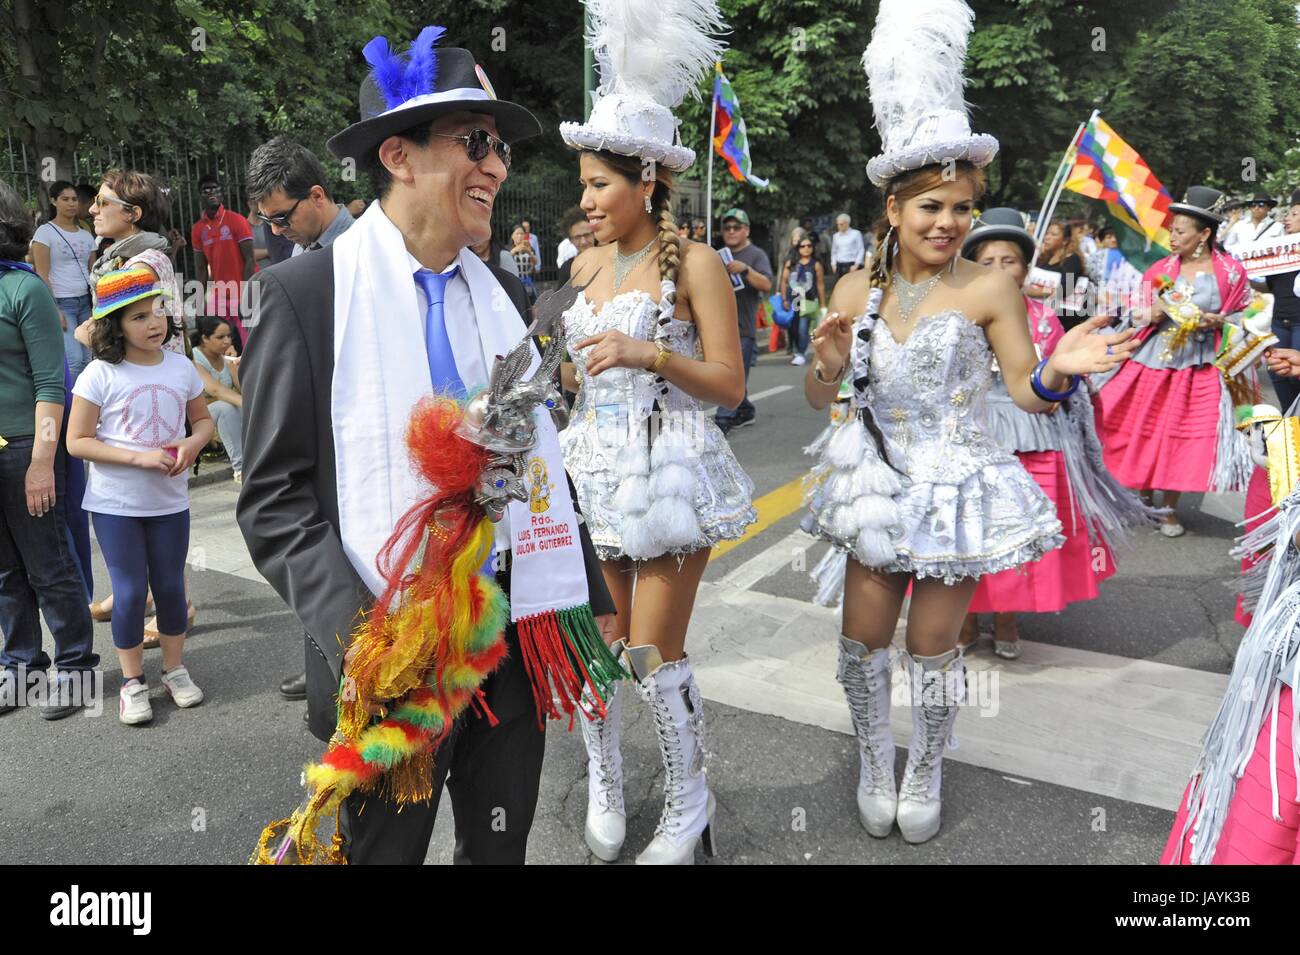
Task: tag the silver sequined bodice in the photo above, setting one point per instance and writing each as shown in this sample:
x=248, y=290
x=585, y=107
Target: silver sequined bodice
x=634, y=314
x=929, y=394
x=612, y=415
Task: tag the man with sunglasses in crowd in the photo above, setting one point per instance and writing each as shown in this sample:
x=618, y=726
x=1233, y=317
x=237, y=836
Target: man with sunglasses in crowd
x=287, y=184
x=222, y=241
x=755, y=270
x=348, y=339
x=1255, y=226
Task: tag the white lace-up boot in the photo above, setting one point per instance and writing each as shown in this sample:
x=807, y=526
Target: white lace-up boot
x=689, y=807
x=938, y=687
x=864, y=674
x=606, y=816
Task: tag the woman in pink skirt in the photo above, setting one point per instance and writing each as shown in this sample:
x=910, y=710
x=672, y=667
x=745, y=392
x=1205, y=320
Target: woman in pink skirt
x=1062, y=453
x=1242, y=806
x=1167, y=421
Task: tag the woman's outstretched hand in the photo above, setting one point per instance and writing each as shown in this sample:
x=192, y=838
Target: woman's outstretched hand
x=1086, y=350
x=833, y=342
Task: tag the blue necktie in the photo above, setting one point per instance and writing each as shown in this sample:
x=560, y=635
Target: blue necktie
x=442, y=363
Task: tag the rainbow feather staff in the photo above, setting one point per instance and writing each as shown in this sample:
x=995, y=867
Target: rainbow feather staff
x=430, y=653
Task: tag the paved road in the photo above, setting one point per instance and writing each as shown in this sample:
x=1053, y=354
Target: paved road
x=1082, y=761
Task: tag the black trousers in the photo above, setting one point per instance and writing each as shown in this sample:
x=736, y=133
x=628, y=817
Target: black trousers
x=492, y=772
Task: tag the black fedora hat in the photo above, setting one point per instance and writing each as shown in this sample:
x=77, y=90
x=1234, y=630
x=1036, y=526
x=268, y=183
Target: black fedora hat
x=405, y=90
x=1263, y=197
x=1295, y=197
x=1000, y=224
x=1203, y=203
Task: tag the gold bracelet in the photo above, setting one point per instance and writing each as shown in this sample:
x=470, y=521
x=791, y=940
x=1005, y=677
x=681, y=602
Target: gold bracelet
x=661, y=359
x=817, y=373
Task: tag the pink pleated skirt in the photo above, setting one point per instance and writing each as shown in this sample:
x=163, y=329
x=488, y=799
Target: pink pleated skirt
x=1159, y=428
x=1258, y=499
x=1067, y=575
x=1251, y=836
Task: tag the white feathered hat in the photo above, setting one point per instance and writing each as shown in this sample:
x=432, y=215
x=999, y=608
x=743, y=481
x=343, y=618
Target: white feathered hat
x=650, y=54
x=914, y=71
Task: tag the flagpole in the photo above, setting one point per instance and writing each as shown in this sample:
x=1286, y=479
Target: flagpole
x=708, y=189
x=1054, y=190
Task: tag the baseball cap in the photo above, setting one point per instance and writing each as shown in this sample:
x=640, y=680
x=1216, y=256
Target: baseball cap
x=738, y=214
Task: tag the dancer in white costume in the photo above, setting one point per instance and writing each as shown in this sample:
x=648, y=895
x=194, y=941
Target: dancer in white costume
x=912, y=490
x=652, y=335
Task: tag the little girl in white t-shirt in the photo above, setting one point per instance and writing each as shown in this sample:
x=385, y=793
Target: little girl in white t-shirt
x=128, y=420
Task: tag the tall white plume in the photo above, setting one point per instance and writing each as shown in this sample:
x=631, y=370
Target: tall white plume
x=914, y=61
x=658, y=49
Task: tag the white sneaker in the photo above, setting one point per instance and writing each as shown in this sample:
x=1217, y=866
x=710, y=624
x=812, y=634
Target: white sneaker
x=798, y=360
x=133, y=704
x=238, y=477
x=181, y=688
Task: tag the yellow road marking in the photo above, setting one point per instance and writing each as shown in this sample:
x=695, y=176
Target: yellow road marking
x=772, y=507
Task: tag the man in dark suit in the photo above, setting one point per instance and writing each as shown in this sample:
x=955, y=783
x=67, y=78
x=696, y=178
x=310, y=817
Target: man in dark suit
x=437, y=163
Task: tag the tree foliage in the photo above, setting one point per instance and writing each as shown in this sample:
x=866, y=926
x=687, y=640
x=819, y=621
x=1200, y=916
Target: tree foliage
x=1204, y=89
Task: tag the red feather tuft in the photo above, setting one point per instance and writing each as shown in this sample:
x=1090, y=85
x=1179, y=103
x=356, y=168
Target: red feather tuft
x=441, y=456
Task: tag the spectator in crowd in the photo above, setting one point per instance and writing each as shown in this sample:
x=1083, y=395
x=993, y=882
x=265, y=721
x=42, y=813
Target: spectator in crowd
x=821, y=243
x=750, y=263
x=261, y=255
x=683, y=230
x=803, y=288
x=1286, y=313
x=223, y=255
x=85, y=196
x=579, y=234
x=699, y=230
x=525, y=255
x=62, y=254
x=289, y=185
x=128, y=211
x=37, y=570
x=356, y=208
x=212, y=344
x=1115, y=276
x=566, y=249
x=491, y=252
x=1258, y=225
x=1059, y=253
x=1087, y=244
x=527, y=225
x=128, y=420
x=847, y=248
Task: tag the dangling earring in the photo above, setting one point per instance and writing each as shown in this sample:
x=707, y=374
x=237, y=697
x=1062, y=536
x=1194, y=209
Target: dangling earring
x=1199, y=249
x=647, y=205
x=887, y=251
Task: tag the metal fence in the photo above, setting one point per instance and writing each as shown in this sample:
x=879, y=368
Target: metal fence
x=177, y=171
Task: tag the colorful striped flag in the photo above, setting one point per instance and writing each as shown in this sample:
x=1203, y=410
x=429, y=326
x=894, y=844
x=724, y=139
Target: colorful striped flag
x=1109, y=170
x=729, y=137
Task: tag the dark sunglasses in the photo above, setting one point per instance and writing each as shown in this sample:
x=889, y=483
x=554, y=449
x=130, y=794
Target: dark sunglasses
x=209, y=189
x=732, y=227
x=281, y=219
x=1259, y=205
x=478, y=142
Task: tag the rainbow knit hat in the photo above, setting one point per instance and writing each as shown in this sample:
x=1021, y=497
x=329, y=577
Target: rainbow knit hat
x=122, y=287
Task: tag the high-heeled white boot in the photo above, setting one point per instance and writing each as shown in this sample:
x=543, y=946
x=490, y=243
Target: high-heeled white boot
x=938, y=687
x=864, y=674
x=689, y=807
x=606, y=817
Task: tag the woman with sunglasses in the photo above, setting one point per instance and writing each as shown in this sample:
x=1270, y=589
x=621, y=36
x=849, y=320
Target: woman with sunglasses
x=128, y=212
x=803, y=286
x=653, y=336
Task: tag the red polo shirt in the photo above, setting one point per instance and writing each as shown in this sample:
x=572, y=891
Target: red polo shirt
x=218, y=238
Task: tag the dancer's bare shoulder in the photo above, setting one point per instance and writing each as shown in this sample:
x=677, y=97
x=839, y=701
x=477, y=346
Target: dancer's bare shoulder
x=851, y=293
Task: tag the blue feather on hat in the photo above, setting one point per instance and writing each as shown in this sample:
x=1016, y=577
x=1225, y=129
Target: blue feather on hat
x=402, y=77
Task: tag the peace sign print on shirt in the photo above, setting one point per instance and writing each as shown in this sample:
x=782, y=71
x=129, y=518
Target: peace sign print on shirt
x=153, y=415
